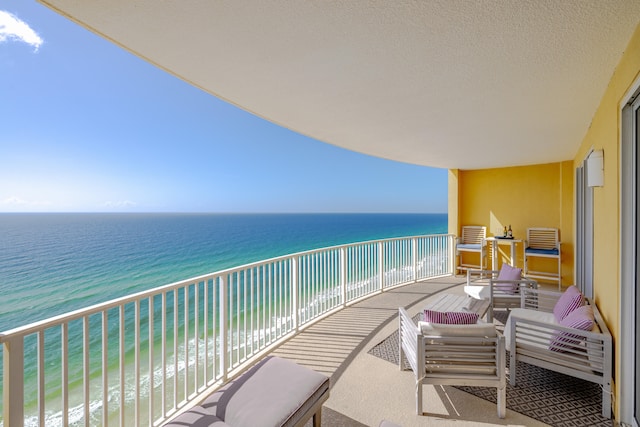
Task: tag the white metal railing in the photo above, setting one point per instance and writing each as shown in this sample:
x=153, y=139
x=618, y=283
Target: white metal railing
x=138, y=359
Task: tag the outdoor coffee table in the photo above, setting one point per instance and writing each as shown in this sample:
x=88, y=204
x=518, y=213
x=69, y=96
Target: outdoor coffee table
x=451, y=302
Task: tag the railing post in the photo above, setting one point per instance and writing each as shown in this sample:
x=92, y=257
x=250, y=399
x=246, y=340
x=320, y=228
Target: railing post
x=452, y=255
x=294, y=292
x=414, y=253
x=343, y=275
x=13, y=383
x=381, y=264
x=224, y=326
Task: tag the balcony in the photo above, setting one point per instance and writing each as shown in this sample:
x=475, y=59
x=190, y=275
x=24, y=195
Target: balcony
x=96, y=366
x=324, y=309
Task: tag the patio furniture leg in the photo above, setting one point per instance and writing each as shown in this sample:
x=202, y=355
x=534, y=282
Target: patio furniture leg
x=512, y=366
x=606, y=400
x=502, y=401
x=419, y=397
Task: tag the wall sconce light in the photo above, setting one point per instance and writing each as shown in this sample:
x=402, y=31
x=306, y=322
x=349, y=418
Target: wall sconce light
x=595, y=169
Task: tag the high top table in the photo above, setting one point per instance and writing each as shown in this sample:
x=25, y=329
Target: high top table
x=495, y=241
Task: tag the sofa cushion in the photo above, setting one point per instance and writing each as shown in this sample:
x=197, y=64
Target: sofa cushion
x=581, y=318
x=260, y=396
x=570, y=299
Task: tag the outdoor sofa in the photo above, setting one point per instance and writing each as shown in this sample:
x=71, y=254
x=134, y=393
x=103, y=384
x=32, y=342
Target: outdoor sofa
x=562, y=332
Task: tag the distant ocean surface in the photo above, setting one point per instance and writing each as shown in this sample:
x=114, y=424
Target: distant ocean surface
x=54, y=263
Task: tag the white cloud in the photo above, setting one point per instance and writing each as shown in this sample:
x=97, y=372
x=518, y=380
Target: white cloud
x=16, y=201
x=119, y=204
x=13, y=29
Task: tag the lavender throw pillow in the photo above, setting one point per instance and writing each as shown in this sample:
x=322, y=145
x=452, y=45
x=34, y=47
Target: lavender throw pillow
x=568, y=301
x=508, y=273
x=580, y=318
x=450, y=317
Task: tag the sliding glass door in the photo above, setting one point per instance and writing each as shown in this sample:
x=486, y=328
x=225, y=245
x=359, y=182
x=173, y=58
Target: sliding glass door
x=636, y=287
x=629, y=339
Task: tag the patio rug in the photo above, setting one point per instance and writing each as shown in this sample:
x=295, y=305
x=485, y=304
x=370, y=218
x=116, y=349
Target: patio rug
x=550, y=397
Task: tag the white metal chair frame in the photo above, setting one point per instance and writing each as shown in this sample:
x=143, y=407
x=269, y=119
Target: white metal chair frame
x=473, y=239
x=543, y=243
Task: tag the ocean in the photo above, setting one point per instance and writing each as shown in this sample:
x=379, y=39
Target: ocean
x=54, y=263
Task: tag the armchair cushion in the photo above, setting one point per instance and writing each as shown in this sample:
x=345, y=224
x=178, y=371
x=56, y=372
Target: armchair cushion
x=570, y=299
x=450, y=317
x=508, y=273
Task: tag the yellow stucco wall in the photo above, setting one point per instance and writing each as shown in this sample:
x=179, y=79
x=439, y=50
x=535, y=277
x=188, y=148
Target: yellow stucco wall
x=543, y=195
x=523, y=197
x=604, y=133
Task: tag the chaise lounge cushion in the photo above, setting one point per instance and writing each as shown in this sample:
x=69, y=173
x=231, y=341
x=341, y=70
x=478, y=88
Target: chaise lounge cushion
x=275, y=392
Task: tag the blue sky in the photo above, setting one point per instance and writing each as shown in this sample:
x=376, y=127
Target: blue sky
x=88, y=127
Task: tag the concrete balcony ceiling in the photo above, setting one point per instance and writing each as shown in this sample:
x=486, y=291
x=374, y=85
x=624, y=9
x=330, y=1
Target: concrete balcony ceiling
x=452, y=84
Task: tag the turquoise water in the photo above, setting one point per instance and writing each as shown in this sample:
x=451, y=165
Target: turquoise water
x=54, y=263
